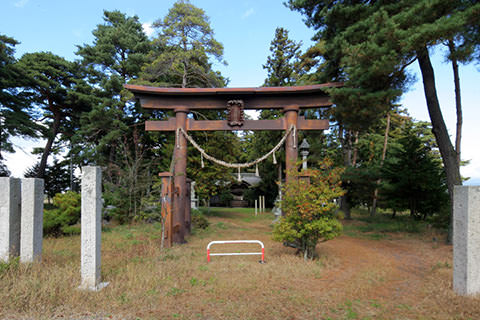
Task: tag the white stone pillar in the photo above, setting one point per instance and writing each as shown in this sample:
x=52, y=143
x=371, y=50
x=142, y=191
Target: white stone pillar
x=32, y=220
x=466, y=240
x=91, y=228
x=9, y=218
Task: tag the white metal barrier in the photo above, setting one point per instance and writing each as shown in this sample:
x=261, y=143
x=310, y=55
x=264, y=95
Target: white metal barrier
x=262, y=253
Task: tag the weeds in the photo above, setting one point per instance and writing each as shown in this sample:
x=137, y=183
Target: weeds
x=174, y=292
x=442, y=265
x=221, y=225
x=10, y=266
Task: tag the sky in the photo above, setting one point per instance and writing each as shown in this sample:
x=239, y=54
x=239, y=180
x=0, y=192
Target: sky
x=245, y=28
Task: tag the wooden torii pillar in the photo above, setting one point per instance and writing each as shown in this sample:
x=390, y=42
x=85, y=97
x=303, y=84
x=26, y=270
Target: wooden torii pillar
x=183, y=100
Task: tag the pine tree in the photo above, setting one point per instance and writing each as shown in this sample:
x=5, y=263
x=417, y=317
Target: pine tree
x=112, y=133
x=413, y=175
x=282, y=70
x=117, y=55
x=370, y=44
x=463, y=48
x=185, y=55
x=55, y=87
x=282, y=64
x=15, y=112
x=187, y=46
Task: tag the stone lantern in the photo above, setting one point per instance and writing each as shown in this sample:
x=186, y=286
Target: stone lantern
x=304, y=175
x=304, y=147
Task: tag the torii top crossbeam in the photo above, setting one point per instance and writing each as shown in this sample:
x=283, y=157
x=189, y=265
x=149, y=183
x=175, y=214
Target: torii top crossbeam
x=312, y=96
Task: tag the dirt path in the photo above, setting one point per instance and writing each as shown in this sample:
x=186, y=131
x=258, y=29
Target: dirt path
x=393, y=267
x=403, y=277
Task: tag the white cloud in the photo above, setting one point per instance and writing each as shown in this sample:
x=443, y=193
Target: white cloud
x=23, y=158
x=78, y=33
x=20, y=3
x=248, y=13
x=147, y=28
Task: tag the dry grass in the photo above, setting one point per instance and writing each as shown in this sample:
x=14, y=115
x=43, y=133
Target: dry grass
x=355, y=278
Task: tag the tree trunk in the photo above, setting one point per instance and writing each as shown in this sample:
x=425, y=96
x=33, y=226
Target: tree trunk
x=48, y=146
x=347, y=161
x=458, y=100
x=71, y=166
x=345, y=207
x=355, y=149
x=384, y=152
x=184, y=77
x=449, y=156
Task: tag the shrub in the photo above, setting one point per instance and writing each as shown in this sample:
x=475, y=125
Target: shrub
x=199, y=220
x=151, y=205
x=65, y=214
x=310, y=209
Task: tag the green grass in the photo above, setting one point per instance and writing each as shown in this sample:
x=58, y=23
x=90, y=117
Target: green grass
x=382, y=225
x=13, y=264
x=353, y=231
x=350, y=310
x=244, y=214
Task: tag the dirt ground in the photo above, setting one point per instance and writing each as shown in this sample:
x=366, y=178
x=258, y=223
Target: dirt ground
x=401, y=276
x=391, y=274
x=404, y=276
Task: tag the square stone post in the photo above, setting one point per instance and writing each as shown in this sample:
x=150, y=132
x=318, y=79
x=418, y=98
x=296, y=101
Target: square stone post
x=466, y=240
x=32, y=220
x=91, y=222
x=9, y=218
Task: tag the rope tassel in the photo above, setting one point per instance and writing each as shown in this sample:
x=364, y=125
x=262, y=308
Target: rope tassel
x=256, y=171
x=239, y=175
x=201, y=160
x=178, y=138
x=274, y=159
x=294, y=137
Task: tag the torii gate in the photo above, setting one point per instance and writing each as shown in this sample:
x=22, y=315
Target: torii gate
x=184, y=100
